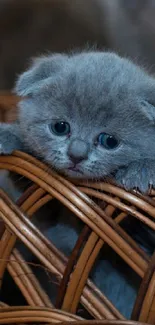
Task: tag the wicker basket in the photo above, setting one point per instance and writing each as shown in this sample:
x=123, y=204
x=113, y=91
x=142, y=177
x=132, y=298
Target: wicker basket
x=103, y=226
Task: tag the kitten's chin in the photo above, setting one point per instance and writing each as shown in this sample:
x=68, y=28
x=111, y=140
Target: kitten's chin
x=71, y=173
x=75, y=175
x=81, y=176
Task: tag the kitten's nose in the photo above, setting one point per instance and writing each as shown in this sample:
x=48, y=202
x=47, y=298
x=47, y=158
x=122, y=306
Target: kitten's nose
x=78, y=150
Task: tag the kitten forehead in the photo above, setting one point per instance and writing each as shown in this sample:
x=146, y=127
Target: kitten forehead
x=100, y=82
x=105, y=66
x=95, y=75
x=102, y=87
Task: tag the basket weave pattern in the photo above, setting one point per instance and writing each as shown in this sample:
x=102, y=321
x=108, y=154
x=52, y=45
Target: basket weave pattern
x=73, y=273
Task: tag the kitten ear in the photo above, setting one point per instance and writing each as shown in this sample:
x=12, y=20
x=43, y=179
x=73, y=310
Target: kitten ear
x=41, y=69
x=149, y=110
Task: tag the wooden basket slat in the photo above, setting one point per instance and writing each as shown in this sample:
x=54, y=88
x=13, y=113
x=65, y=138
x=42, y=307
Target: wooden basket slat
x=26, y=281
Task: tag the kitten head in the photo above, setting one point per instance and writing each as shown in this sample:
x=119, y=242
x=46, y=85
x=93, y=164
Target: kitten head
x=87, y=114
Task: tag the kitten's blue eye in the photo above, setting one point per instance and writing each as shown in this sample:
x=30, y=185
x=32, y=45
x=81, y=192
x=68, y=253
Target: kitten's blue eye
x=107, y=141
x=61, y=128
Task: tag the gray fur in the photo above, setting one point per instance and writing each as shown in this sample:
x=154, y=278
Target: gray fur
x=10, y=138
x=94, y=92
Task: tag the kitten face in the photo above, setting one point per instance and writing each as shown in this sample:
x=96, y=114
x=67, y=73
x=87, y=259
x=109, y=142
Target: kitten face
x=88, y=117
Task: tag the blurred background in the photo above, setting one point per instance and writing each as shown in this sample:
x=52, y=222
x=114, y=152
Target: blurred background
x=30, y=28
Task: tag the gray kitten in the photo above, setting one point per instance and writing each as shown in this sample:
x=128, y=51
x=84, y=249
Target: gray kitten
x=88, y=115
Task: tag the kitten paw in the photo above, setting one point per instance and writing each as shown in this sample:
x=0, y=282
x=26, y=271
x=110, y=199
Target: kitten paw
x=6, y=147
x=9, y=141
x=5, y=150
x=138, y=175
